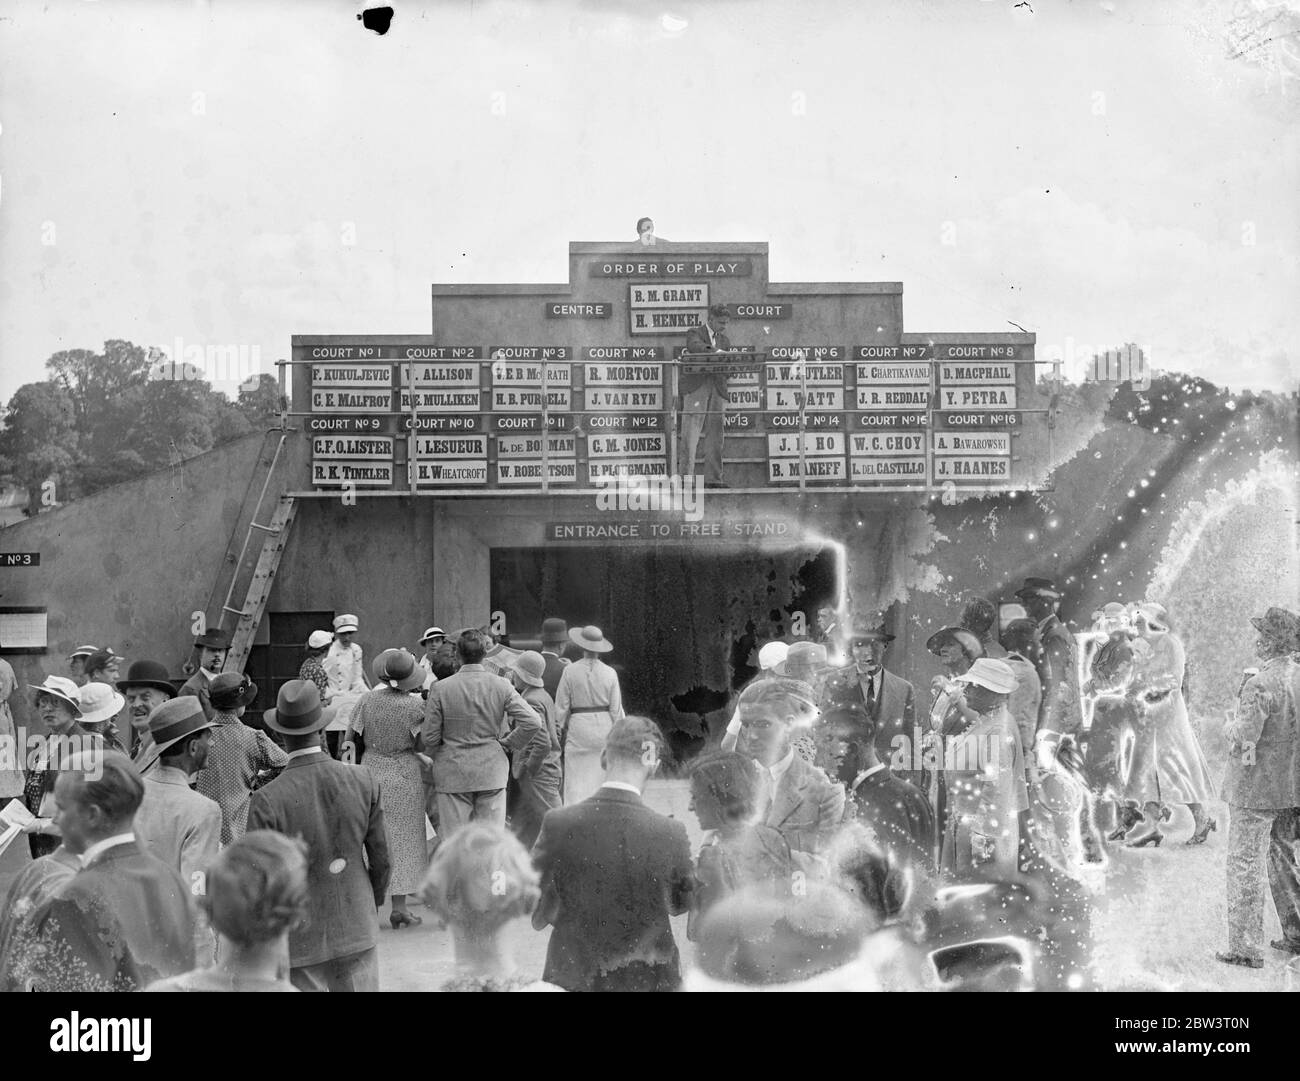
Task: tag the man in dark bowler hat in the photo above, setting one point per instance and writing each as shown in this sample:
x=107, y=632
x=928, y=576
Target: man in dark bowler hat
x=146, y=687
x=335, y=808
x=613, y=873
x=125, y=918
x=890, y=700
x=704, y=400
x=212, y=647
x=555, y=634
x=1061, y=711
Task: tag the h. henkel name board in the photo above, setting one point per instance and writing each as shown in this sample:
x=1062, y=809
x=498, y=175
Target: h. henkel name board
x=667, y=309
x=672, y=268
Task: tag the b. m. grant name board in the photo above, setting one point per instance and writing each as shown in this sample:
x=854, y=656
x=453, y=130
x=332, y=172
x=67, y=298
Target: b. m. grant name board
x=509, y=416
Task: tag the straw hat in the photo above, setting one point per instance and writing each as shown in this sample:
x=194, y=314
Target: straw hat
x=590, y=638
x=59, y=687
x=529, y=666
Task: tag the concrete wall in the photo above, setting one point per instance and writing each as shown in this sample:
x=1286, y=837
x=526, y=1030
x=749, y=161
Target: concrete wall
x=127, y=566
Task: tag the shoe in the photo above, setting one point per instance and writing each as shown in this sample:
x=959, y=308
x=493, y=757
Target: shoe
x=1198, y=838
x=1153, y=839
x=1283, y=946
x=1240, y=959
x=403, y=919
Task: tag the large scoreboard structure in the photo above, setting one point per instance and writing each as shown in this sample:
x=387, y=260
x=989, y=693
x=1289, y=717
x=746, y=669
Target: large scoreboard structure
x=569, y=386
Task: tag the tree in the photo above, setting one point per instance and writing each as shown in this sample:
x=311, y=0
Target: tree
x=259, y=400
x=39, y=439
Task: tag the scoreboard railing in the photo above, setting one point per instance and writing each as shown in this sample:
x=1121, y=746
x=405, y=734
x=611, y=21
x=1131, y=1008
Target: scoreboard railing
x=515, y=425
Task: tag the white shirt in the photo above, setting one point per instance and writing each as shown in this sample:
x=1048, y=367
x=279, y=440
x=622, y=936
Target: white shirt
x=100, y=847
x=865, y=774
x=345, y=668
x=622, y=786
x=779, y=769
x=588, y=683
x=303, y=751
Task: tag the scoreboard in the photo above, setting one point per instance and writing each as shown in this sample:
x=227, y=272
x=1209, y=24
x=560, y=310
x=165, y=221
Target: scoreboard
x=426, y=417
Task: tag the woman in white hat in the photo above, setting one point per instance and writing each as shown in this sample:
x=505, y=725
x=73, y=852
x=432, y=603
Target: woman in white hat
x=100, y=704
x=390, y=718
x=58, y=701
x=1168, y=764
x=587, y=702
x=985, y=774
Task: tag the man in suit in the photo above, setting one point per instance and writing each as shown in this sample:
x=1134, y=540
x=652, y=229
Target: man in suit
x=898, y=813
x=704, y=400
x=466, y=732
x=890, y=701
x=1057, y=661
x=555, y=634
x=801, y=802
x=613, y=873
x=335, y=808
x=212, y=647
x=124, y=919
x=1262, y=790
x=176, y=824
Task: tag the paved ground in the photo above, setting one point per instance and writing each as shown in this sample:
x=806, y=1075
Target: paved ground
x=1160, y=918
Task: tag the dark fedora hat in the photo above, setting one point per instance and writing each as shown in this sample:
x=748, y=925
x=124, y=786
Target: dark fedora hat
x=297, y=709
x=147, y=674
x=1039, y=587
x=213, y=640
x=1279, y=625
x=230, y=690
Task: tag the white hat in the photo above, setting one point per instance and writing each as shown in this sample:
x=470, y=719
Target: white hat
x=343, y=624
x=993, y=675
x=590, y=638
x=83, y=651
x=432, y=632
x=61, y=688
x=772, y=654
x=319, y=639
x=530, y=666
x=99, y=702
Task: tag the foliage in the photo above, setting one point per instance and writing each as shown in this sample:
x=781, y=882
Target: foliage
x=103, y=418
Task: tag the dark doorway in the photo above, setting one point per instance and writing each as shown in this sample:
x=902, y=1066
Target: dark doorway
x=272, y=666
x=683, y=622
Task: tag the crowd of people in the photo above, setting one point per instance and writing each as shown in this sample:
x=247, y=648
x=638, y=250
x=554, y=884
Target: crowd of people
x=854, y=836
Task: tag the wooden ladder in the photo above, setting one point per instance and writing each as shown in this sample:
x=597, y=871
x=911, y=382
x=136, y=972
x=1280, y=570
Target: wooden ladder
x=259, y=587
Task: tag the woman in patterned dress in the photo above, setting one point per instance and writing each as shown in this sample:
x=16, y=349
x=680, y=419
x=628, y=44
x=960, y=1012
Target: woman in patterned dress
x=58, y=701
x=390, y=718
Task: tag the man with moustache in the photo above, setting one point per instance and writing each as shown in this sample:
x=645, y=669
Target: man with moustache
x=212, y=648
x=146, y=687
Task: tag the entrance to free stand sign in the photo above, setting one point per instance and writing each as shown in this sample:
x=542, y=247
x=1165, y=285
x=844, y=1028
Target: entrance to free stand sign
x=686, y=624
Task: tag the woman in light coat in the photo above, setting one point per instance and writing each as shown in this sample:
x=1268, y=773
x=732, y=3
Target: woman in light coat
x=587, y=702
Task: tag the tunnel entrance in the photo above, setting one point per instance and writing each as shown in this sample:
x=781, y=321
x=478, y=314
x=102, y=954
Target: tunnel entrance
x=686, y=624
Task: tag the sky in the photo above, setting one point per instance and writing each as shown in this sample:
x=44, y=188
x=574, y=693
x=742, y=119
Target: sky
x=227, y=174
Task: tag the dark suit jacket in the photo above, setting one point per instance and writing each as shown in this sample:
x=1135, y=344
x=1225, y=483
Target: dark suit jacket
x=697, y=341
x=895, y=713
x=1061, y=709
x=335, y=808
x=900, y=814
x=197, y=687
x=806, y=808
x=554, y=670
x=119, y=924
x=613, y=872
